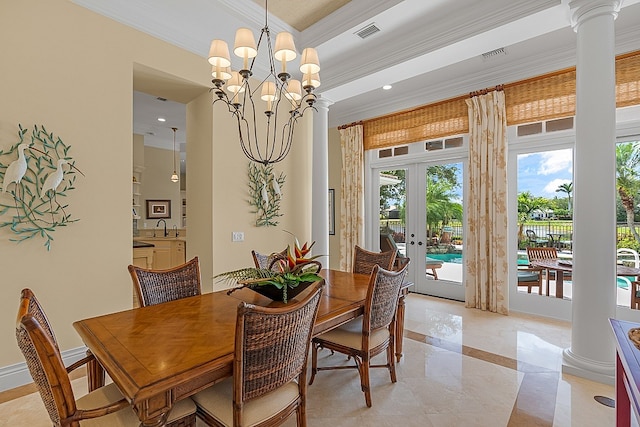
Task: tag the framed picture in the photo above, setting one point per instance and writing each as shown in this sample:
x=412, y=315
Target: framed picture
x=332, y=212
x=158, y=209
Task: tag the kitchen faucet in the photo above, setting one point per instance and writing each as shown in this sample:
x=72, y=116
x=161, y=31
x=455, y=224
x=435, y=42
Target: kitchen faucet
x=165, y=227
x=175, y=228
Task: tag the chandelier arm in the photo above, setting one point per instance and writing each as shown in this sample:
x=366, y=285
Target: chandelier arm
x=246, y=151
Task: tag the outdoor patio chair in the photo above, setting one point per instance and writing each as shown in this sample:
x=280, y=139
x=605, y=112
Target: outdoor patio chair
x=387, y=243
x=530, y=277
x=536, y=254
x=534, y=240
x=635, y=295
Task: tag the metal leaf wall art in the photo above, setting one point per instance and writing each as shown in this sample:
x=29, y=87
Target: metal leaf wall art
x=265, y=192
x=37, y=174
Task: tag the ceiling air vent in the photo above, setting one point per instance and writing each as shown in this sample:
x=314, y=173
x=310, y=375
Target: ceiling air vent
x=367, y=31
x=494, y=53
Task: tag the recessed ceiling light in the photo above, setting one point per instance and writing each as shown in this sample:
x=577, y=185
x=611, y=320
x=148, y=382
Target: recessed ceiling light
x=162, y=119
x=387, y=87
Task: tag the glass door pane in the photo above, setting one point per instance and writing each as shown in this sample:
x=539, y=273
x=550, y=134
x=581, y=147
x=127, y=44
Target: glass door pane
x=392, y=214
x=545, y=216
x=442, y=214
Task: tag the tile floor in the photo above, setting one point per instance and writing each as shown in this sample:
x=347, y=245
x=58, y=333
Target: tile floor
x=460, y=367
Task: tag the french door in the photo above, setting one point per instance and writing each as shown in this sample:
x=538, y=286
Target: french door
x=420, y=206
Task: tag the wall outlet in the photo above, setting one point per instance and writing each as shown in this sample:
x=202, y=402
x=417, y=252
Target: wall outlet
x=237, y=236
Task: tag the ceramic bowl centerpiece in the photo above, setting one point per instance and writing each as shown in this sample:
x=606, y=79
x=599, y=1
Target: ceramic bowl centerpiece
x=285, y=278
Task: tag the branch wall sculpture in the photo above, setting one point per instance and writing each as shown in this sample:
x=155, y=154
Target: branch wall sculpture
x=35, y=185
x=265, y=192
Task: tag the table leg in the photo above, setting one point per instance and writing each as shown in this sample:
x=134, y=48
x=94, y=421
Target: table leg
x=95, y=374
x=154, y=411
x=400, y=325
x=559, y=283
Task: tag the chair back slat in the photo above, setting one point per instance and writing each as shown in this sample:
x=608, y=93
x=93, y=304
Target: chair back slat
x=536, y=254
x=364, y=260
x=159, y=286
x=272, y=345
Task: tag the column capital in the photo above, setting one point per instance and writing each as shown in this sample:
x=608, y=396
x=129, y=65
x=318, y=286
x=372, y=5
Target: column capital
x=323, y=102
x=583, y=10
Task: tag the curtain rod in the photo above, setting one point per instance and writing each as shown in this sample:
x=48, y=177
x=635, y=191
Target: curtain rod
x=350, y=125
x=486, y=91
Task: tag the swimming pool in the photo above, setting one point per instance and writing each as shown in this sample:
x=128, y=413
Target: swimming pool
x=452, y=258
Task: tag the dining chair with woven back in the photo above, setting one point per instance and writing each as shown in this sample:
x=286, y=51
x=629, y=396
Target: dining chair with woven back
x=364, y=337
x=157, y=286
x=265, y=261
x=104, y=406
x=269, y=367
x=364, y=260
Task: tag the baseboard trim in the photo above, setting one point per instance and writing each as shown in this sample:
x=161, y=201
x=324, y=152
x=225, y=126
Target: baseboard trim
x=17, y=375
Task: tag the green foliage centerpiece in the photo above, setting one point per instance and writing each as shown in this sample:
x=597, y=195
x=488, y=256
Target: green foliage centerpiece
x=285, y=277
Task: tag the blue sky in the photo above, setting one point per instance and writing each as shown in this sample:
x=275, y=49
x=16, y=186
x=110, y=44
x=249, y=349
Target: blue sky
x=542, y=173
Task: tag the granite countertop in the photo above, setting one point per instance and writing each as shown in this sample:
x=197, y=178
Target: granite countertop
x=152, y=239
x=139, y=244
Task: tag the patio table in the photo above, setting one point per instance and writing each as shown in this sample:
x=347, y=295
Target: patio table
x=560, y=266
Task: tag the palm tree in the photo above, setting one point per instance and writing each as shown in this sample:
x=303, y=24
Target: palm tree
x=567, y=187
x=441, y=207
x=527, y=203
x=628, y=180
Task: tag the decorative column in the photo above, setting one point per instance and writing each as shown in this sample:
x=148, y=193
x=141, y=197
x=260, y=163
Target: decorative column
x=320, y=180
x=592, y=350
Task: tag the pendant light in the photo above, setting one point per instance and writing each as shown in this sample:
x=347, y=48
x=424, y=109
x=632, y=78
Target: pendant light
x=174, y=176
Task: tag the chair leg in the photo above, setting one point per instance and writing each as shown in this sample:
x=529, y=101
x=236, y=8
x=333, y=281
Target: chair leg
x=391, y=362
x=363, y=368
x=314, y=361
x=301, y=416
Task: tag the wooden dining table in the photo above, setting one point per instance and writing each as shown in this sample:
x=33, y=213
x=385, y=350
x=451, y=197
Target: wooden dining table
x=160, y=354
x=560, y=266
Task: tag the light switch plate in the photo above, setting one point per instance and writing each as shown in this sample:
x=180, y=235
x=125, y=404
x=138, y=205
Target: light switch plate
x=237, y=236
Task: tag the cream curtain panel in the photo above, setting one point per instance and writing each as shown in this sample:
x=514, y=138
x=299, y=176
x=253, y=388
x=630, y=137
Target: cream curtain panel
x=486, y=278
x=352, y=190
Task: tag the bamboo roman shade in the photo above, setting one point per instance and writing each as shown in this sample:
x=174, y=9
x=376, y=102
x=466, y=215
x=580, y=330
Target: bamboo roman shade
x=541, y=98
x=544, y=97
x=628, y=79
x=431, y=121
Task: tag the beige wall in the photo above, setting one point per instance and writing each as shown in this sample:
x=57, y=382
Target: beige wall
x=72, y=70
x=157, y=185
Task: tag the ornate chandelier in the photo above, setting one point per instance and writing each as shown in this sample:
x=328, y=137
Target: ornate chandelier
x=283, y=100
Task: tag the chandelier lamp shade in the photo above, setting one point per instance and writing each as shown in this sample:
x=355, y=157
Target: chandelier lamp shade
x=174, y=175
x=281, y=98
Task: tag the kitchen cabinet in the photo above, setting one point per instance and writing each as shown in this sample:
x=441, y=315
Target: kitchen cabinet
x=143, y=257
x=167, y=253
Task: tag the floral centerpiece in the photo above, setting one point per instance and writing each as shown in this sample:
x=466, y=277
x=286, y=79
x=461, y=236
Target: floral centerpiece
x=285, y=276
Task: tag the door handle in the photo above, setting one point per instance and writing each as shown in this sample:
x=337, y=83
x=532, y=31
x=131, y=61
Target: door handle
x=419, y=243
x=412, y=242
